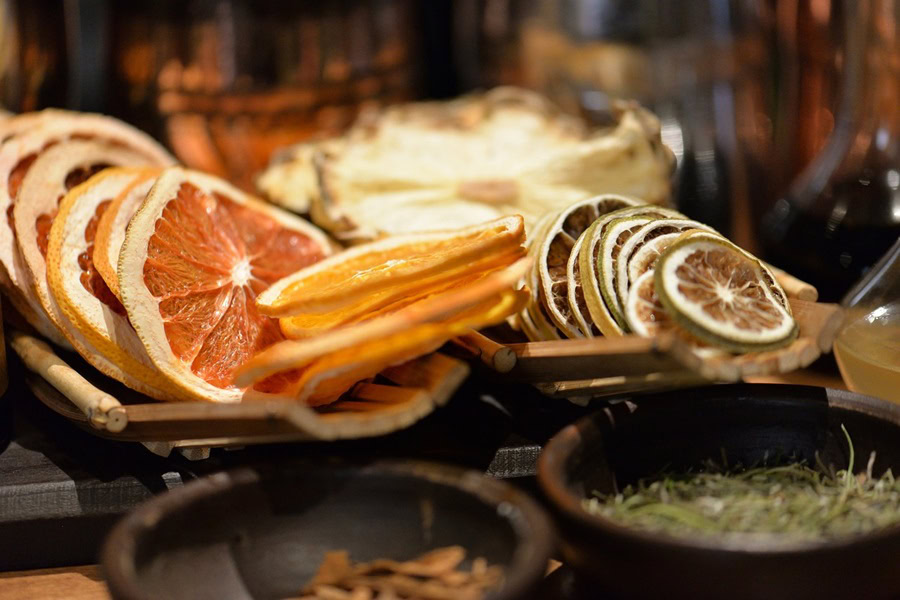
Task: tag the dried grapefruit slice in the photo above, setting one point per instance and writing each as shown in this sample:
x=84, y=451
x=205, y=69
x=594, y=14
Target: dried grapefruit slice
x=648, y=233
x=196, y=255
x=388, y=269
x=26, y=137
x=552, y=256
x=719, y=293
x=55, y=172
x=589, y=259
x=101, y=332
x=113, y=223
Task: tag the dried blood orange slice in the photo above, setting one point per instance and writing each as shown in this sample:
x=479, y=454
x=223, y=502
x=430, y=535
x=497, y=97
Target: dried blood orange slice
x=55, y=172
x=196, y=255
x=719, y=293
x=113, y=223
x=25, y=138
x=95, y=321
x=377, y=273
x=552, y=256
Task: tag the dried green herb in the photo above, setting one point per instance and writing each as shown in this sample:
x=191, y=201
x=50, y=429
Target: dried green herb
x=793, y=501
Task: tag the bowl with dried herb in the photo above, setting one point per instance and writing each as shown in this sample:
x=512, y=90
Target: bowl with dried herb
x=331, y=529
x=737, y=491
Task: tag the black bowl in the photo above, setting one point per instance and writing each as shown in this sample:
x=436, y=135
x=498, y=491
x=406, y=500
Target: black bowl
x=262, y=532
x=679, y=430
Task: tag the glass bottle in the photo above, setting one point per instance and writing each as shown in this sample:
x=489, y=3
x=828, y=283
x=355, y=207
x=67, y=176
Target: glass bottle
x=843, y=211
x=868, y=346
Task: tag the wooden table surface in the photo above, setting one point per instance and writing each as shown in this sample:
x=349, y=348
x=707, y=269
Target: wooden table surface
x=86, y=583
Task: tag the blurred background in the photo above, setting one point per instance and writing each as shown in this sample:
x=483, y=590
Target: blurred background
x=783, y=116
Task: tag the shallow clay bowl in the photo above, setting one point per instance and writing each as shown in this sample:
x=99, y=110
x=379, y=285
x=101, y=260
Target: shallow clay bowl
x=262, y=532
x=677, y=431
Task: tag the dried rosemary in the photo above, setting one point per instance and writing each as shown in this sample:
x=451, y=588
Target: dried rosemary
x=794, y=502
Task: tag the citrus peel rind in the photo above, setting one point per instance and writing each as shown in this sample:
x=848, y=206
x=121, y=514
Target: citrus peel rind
x=718, y=293
x=196, y=254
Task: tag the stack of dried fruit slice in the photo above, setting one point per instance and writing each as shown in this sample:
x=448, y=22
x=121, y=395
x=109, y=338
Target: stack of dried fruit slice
x=152, y=273
x=388, y=301
x=633, y=268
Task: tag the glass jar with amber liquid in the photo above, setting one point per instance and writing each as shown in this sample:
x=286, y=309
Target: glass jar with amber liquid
x=868, y=346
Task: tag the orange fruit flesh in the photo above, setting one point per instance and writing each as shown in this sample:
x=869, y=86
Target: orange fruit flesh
x=396, y=271
x=207, y=260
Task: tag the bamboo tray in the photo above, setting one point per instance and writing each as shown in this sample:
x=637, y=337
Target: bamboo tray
x=399, y=397
x=603, y=366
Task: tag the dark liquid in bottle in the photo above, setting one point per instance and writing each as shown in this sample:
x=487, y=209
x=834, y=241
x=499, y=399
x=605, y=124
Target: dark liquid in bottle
x=831, y=245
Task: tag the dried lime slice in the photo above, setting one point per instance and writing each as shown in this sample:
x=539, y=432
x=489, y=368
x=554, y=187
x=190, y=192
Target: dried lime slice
x=552, y=257
x=588, y=259
x=614, y=237
x=641, y=237
x=720, y=293
x=575, y=292
x=644, y=312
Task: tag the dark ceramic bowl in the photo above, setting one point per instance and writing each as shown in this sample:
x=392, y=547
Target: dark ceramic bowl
x=677, y=431
x=262, y=533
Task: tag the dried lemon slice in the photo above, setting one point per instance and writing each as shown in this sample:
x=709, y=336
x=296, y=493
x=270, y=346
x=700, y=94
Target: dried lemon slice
x=719, y=293
x=589, y=258
x=552, y=256
x=648, y=233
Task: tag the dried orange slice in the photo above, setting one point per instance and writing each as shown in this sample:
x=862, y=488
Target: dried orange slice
x=196, y=255
x=649, y=232
x=439, y=308
x=589, y=259
x=113, y=223
x=26, y=137
x=55, y=172
x=377, y=273
x=719, y=293
x=95, y=321
x=325, y=380
x=552, y=256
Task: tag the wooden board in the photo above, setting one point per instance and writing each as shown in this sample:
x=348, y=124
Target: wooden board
x=399, y=397
x=614, y=365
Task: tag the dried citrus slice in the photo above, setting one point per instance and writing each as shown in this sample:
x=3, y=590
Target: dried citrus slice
x=535, y=324
x=617, y=233
x=644, y=312
x=196, y=254
x=101, y=332
x=648, y=233
x=575, y=293
x=719, y=293
x=55, y=172
x=552, y=256
x=325, y=380
x=391, y=268
x=589, y=259
x=292, y=354
x=113, y=223
x=26, y=137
